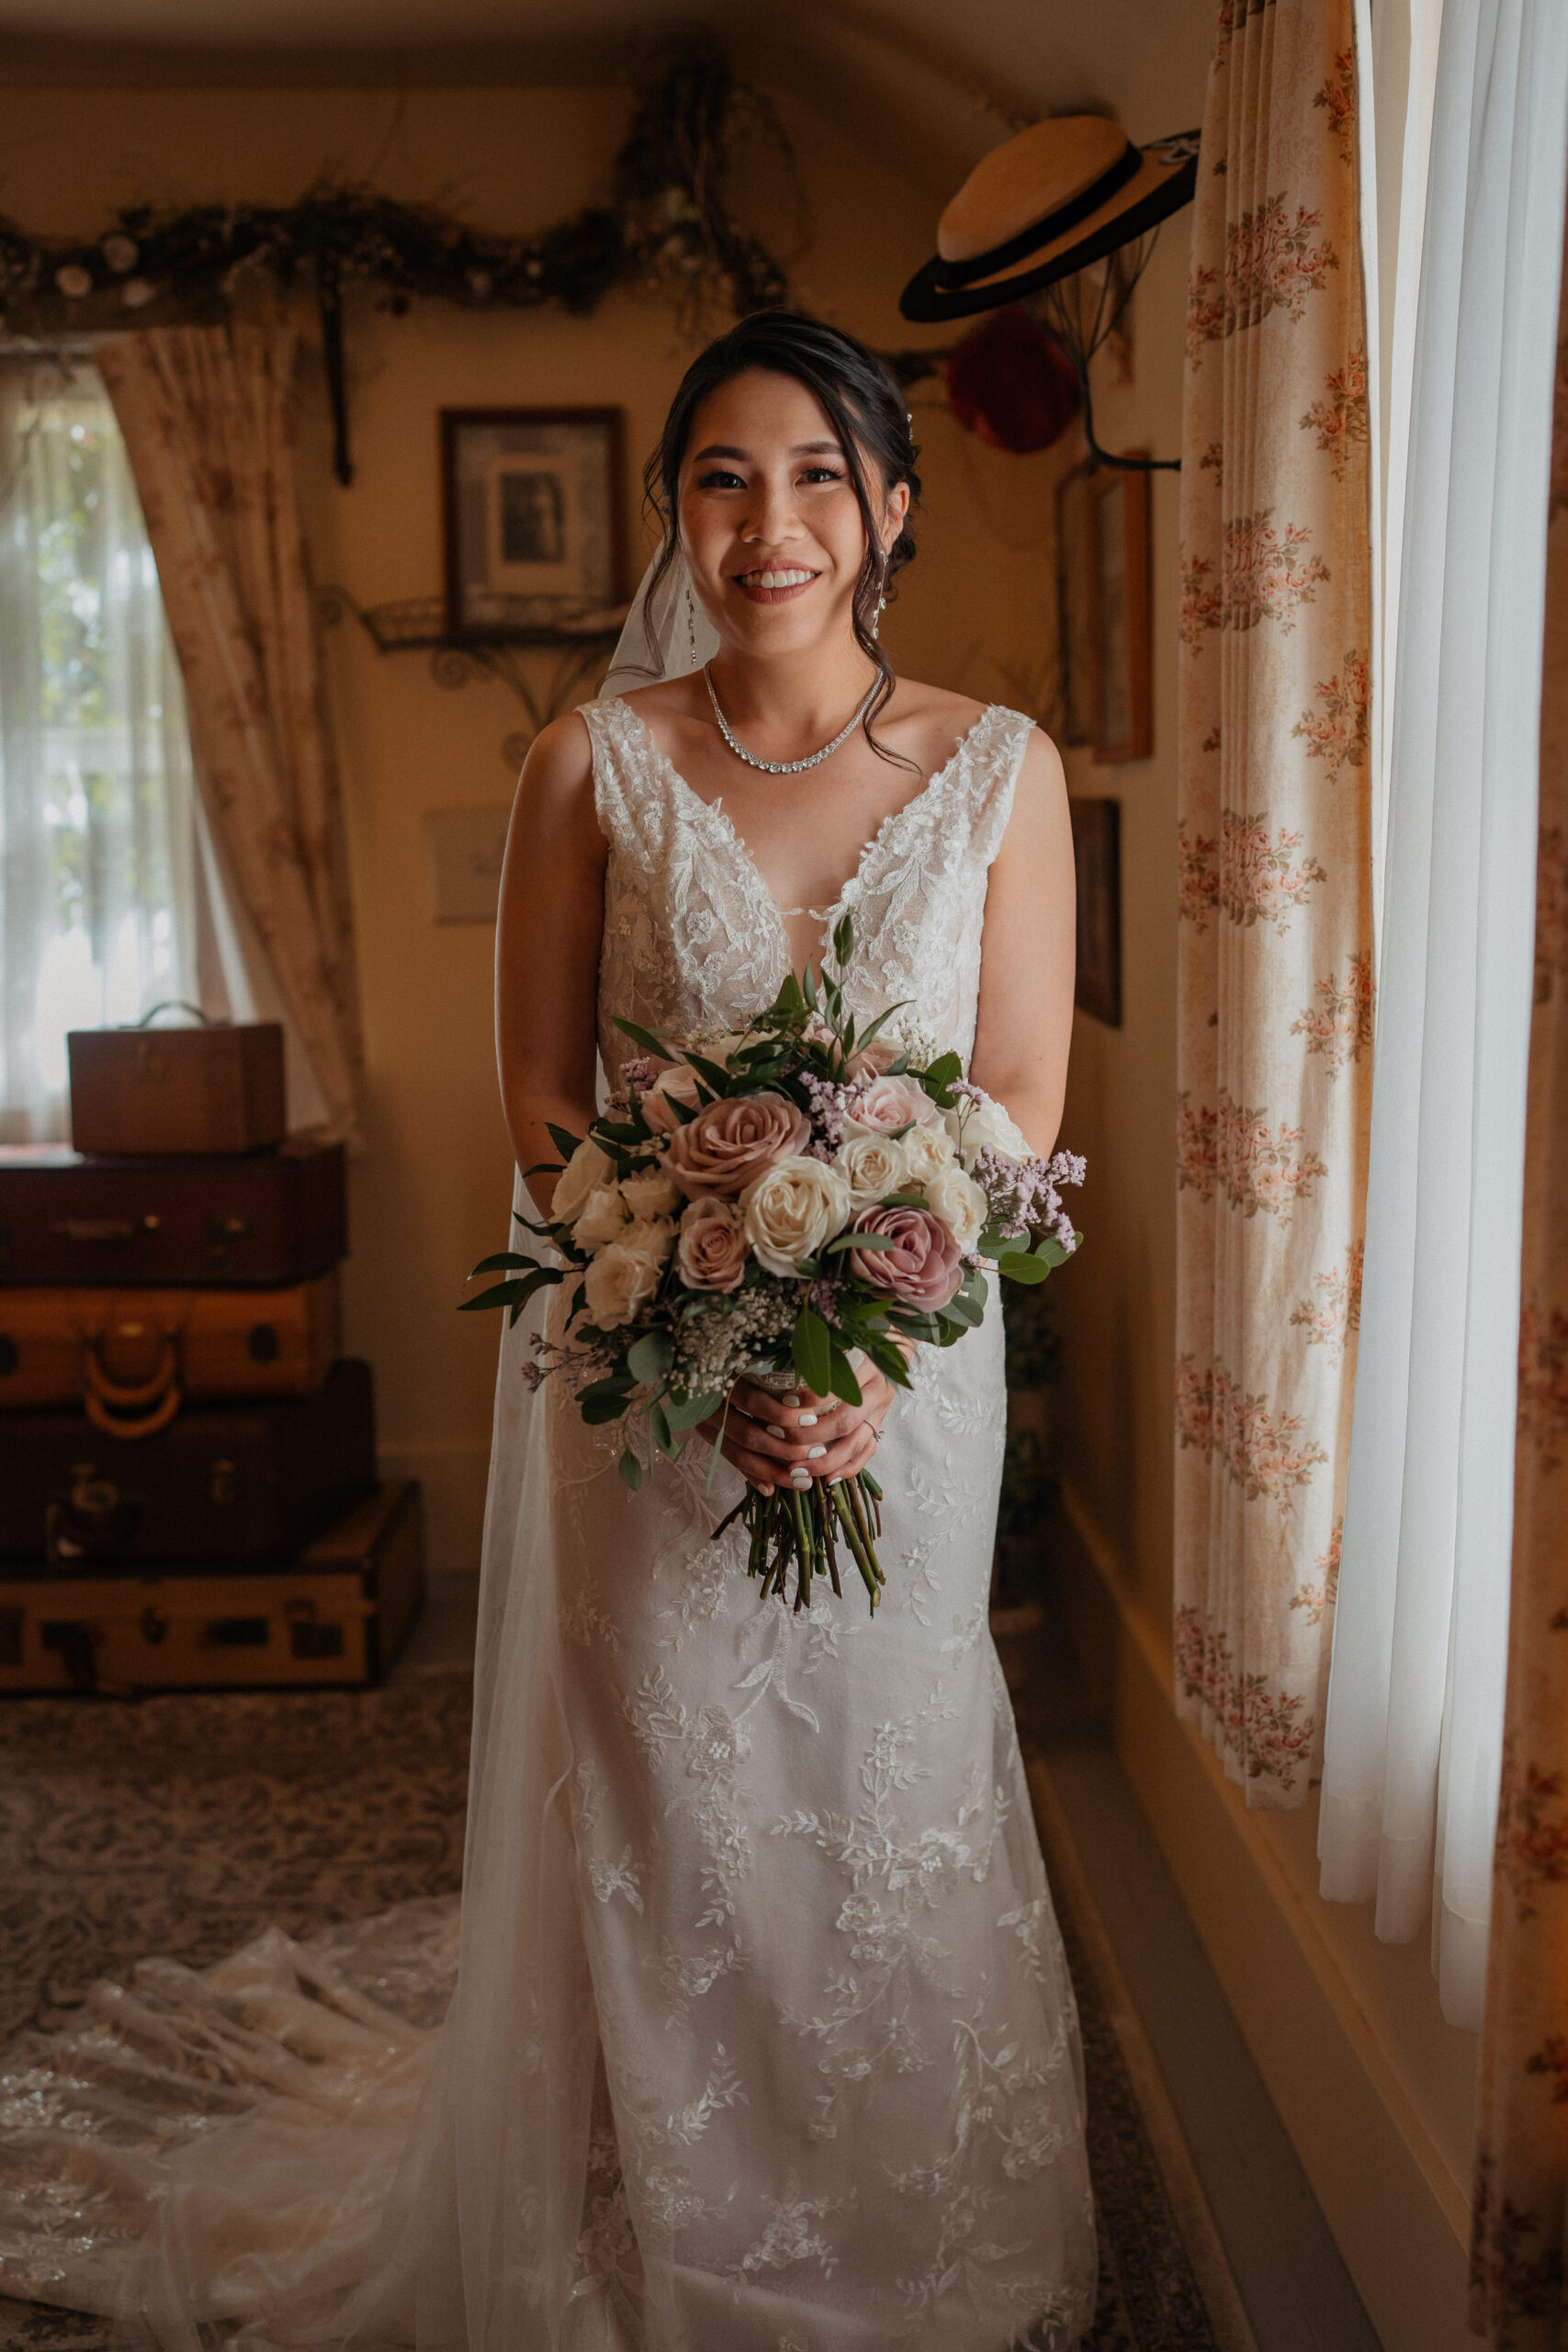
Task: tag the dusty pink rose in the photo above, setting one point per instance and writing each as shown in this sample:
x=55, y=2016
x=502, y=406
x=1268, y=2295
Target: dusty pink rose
x=677, y=1084
x=728, y=1145
x=921, y=1271
x=711, y=1251
x=889, y=1103
x=873, y=1061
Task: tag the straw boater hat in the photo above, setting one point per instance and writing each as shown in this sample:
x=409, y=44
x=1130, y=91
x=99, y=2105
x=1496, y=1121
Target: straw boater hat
x=1059, y=196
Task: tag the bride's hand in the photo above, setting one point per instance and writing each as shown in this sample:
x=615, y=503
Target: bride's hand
x=788, y=1441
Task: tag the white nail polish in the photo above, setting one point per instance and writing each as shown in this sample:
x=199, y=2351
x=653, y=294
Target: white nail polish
x=791, y=1400
x=815, y=1452
x=807, y=1421
x=800, y=1477
x=774, y=1431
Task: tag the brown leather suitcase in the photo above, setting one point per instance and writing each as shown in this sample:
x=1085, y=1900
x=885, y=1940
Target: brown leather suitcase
x=222, y=1482
x=216, y=1087
x=337, y=1613
x=132, y=1358
x=272, y=1218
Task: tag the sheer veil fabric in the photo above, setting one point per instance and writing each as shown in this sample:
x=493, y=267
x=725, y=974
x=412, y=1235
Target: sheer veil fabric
x=762, y=2034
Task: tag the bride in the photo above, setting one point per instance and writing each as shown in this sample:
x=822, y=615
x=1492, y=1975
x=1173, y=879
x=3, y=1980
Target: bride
x=761, y=2039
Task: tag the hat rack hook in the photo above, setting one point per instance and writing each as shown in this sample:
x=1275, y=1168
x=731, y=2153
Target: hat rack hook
x=1064, y=324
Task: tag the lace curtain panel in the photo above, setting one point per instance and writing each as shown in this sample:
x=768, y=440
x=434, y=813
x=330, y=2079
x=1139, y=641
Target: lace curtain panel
x=101, y=875
x=1415, y=1720
x=1521, y=2194
x=1275, y=938
x=208, y=420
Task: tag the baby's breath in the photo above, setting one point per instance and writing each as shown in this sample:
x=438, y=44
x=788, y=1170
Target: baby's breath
x=713, y=1348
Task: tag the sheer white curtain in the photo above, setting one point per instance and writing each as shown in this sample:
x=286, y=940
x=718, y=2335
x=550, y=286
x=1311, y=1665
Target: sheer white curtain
x=103, y=907
x=1415, y=1695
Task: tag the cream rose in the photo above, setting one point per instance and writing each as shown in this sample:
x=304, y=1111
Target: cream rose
x=587, y=1168
x=649, y=1194
x=956, y=1202
x=792, y=1209
x=889, y=1103
x=980, y=1126
x=672, y=1086
x=625, y=1275
x=872, y=1166
x=601, y=1218
x=927, y=1151
x=711, y=1251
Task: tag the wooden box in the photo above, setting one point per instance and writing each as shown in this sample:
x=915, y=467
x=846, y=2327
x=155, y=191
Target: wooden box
x=336, y=1614
x=134, y=1357
x=217, y=1088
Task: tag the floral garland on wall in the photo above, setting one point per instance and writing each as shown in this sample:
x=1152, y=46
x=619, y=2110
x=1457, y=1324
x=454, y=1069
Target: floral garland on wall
x=665, y=223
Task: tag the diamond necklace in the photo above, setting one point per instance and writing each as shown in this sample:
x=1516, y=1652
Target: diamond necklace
x=782, y=767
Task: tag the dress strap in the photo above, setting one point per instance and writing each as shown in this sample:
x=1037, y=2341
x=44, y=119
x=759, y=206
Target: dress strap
x=995, y=760
x=625, y=783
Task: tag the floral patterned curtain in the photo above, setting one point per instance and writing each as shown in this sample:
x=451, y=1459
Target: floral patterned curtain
x=1276, y=926
x=207, y=419
x=1521, y=2195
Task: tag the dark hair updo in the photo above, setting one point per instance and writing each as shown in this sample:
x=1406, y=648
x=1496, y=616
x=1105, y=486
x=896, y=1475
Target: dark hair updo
x=865, y=408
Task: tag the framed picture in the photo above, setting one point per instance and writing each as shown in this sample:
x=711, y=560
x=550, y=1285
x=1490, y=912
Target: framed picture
x=1097, y=862
x=533, y=518
x=1074, y=632
x=1117, y=532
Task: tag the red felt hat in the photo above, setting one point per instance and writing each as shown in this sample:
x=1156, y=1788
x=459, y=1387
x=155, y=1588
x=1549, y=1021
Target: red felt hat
x=1012, y=384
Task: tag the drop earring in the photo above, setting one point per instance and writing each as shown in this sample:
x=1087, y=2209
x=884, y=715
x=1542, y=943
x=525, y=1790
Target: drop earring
x=692, y=625
x=881, y=600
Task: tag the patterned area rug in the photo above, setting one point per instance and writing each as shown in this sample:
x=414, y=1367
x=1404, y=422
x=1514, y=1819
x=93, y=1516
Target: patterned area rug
x=183, y=1825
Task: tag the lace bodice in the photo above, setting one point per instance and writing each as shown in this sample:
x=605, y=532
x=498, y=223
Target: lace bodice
x=695, y=939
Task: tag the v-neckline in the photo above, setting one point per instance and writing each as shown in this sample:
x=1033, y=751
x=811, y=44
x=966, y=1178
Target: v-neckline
x=850, y=891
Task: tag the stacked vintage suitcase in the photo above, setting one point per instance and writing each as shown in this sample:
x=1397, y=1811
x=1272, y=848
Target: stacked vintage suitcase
x=188, y=1468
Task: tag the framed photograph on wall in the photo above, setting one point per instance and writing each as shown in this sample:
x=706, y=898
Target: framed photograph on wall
x=533, y=518
x=1097, y=861
x=1117, y=535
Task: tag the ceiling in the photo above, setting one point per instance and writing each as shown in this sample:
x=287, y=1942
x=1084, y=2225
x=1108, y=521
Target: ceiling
x=930, y=86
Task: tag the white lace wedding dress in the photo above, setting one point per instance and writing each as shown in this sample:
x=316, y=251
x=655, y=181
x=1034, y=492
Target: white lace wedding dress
x=762, y=2040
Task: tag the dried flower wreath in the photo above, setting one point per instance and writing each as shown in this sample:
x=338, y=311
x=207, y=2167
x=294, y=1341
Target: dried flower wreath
x=665, y=223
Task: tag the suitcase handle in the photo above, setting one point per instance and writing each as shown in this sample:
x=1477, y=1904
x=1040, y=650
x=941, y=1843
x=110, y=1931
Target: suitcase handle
x=126, y=1408
x=177, y=1004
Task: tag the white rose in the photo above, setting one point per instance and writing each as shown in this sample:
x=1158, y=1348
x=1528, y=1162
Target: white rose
x=975, y=1126
x=927, y=1151
x=624, y=1276
x=587, y=1168
x=603, y=1218
x=872, y=1166
x=650, y=1194
x=791, y=1209
x=957, y=1202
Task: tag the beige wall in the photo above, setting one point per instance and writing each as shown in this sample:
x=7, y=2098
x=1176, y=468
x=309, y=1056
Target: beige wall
x=429, y=1196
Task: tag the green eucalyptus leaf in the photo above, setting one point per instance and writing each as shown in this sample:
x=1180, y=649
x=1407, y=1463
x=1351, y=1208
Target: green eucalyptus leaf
x=630, y=1470
x=502, y=1257
x=651, y=1357
x=841, y=1377
x=1018, y=1266
x=565, y=1142
x=694, y=1410
x=652, y=1041
x=812, y=1351
x=843, y=940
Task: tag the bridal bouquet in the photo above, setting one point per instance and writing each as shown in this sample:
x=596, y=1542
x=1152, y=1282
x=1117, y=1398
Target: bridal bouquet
x=781, y=1202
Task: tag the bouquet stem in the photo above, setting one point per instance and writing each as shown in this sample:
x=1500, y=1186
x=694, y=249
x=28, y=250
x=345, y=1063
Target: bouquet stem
x=802, y=1527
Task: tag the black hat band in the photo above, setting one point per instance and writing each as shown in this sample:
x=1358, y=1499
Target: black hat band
x=949, y=277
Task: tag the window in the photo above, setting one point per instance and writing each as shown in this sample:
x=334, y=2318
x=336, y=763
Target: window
x=104, y=899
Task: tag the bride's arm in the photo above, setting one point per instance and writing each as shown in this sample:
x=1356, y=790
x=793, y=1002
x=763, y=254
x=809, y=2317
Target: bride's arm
x=548, y=939
x=1025, y=1021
